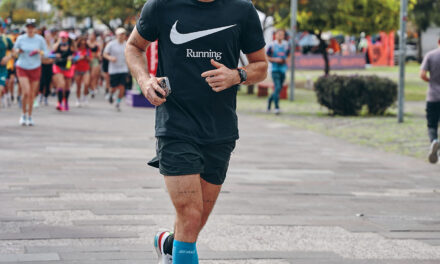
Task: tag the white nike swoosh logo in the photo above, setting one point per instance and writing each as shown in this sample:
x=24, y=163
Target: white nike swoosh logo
x=179, y=38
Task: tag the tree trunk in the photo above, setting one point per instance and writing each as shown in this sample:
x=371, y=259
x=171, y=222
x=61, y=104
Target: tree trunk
x=326, y=62
x=323, y=50
x=108, y=25
x=419, y=46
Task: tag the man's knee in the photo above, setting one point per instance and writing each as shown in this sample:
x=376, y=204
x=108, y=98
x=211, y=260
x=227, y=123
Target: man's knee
x=190, y=216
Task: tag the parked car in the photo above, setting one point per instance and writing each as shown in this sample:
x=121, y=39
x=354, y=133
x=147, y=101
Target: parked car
x=411, y=53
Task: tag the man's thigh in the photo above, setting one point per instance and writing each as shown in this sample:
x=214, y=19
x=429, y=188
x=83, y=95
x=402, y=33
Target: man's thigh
x=184, y=190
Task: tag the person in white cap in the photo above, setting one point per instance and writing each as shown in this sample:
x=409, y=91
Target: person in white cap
x=114, y=52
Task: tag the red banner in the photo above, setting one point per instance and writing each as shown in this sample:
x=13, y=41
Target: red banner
x=381, y=53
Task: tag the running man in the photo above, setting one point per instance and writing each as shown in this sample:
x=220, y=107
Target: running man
x=196, y=125
x=431, y=65
x=5, y=46
x=30, y=47
x=118, y=70
x=278, y=52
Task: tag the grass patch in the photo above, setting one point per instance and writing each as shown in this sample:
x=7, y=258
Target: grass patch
x=382, y=133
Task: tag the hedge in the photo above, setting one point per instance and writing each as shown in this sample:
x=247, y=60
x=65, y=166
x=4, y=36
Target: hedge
x=347, y=95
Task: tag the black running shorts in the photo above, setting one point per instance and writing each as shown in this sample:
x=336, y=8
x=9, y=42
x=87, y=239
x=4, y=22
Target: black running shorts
x=177, y=157
x=118, y=79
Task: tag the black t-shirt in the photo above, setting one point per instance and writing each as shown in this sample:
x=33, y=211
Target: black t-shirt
x=190, y=34
x=65, y=50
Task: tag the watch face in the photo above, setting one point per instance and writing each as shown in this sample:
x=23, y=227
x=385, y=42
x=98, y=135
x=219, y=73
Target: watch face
x=243, y=75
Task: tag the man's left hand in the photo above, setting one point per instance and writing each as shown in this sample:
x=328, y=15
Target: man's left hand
x=222, y=78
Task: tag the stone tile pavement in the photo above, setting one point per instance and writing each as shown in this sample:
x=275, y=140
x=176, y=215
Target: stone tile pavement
x=76, y=189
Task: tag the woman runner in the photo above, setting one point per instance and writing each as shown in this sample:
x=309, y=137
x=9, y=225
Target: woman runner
x=95, y=66
x=82, y=69
x=63, y=69
x=29, y=47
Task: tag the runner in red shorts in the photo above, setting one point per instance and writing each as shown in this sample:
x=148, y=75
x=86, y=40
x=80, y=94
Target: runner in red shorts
x=63, y=69
x=82, y=71
x=29, y=48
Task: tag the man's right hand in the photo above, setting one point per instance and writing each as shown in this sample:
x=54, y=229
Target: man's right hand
x=149, y=88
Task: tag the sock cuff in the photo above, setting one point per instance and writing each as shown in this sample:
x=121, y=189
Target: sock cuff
x=184, y=245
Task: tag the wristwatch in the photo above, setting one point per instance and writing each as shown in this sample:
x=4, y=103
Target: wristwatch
x=243, y=75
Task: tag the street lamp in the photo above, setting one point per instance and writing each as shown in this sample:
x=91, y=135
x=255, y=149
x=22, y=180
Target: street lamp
x=294, y=9
x=402, y=58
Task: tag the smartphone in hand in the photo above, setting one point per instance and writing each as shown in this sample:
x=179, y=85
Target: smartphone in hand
x=164, y=83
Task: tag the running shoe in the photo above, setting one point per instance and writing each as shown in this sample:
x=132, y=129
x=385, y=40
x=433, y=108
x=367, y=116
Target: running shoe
x=159, y=240
x=118, y=107
x=46, y=102
x=110, y=99
x=92, y=94
x=23, y=120
x=78, y=103
x=36, y=103
x=433, y=153
x=60, y=107
x=66, y=105
x=30, y=122
x=277, y=111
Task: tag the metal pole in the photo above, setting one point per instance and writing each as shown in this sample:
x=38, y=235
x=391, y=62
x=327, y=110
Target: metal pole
x=402, y=58
x=294, y=9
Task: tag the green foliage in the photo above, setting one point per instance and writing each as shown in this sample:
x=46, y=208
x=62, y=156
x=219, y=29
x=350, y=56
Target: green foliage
x=424, y=13
x=369, y=16
x=278, y=9
x=380, y=94
x=18, y=10
x=104, y=10
x=349, y=16
x=346, y=95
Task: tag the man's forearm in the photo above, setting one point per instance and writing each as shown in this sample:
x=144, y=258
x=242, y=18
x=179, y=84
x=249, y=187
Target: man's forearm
x=137, y=62
x=256, y=72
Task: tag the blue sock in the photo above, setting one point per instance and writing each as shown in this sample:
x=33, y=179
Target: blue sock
x=118, y=100
x=185, y=253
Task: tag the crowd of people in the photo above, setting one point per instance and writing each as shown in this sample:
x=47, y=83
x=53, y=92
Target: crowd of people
x=38, y=63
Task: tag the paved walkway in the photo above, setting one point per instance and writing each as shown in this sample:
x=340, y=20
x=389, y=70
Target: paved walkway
x=76, y=189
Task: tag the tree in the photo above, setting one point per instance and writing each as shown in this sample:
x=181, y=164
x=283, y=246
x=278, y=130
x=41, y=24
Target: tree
x=316, y=16
x=103, y=10
x=423, y=15
x=278, y=9
x=18, y=10
x=347, y=16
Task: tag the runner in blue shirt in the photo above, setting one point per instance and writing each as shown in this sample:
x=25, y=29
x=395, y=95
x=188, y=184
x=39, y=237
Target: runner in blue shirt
x=278, y=52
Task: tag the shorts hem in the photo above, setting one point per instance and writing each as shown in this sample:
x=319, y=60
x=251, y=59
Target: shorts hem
x=177, y=174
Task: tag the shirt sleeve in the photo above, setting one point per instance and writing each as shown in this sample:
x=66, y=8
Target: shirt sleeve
x=10, y=44
x=269, y=51
x=43, y=47
x=252, y=38
x=147, y=25
x=17, y=44
x=108, y=48
x=425, y=63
